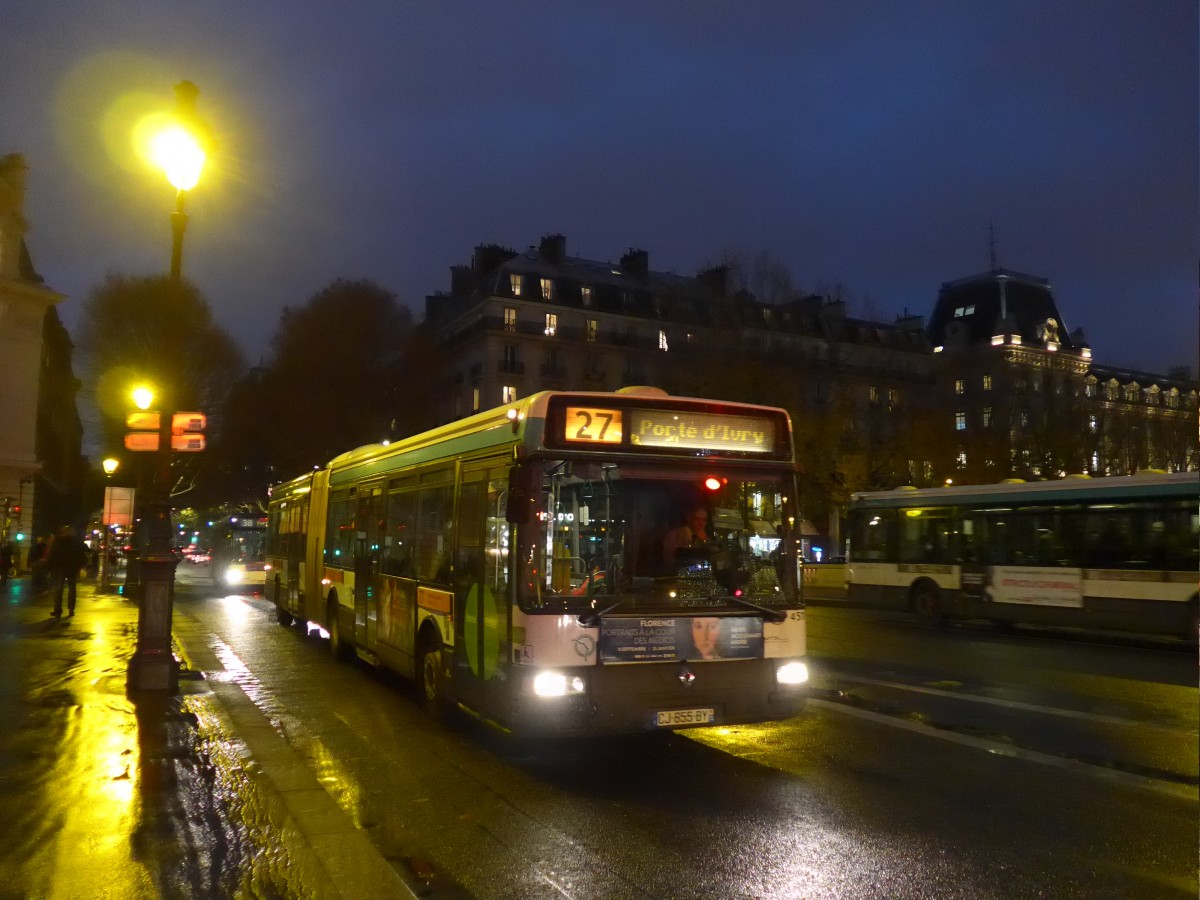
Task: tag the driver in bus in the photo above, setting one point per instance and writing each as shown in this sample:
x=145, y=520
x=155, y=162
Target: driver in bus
x=693, y=532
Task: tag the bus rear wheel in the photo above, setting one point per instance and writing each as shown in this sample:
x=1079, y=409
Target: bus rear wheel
x=926, y=604
x=282, y=616
x=432, y=675
x=337, y=644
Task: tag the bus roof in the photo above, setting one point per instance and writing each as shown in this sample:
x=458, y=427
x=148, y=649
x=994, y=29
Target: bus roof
x=1069, y=490
x=511, y=425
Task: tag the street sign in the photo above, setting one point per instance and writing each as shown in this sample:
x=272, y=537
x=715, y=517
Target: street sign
x=183, y=422
x=142, y=421
x=141, y=440
x=118, y=506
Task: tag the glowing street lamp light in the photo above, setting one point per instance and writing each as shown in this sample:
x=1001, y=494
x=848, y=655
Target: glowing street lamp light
x=178, y=151
x=142, y=397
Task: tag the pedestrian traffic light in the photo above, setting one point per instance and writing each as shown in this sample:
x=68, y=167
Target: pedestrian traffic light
x=186, y=431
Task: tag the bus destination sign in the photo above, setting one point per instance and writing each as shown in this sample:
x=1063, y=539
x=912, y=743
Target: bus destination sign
x=701, y=431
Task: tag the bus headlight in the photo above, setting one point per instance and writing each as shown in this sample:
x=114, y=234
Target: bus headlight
x=233, y=576
x=556, y=684
x=793, y=672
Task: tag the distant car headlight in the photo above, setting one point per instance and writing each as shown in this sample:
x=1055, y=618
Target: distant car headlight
x=792, y=673
x=234, y=576
x=556, y=684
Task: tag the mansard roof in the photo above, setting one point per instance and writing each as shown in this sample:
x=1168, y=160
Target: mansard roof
x=971, y=310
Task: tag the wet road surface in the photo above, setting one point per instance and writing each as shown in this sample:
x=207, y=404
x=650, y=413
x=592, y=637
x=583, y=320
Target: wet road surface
x=831, y=803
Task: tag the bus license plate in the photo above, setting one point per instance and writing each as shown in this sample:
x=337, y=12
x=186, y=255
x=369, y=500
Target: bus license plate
x=669, y=717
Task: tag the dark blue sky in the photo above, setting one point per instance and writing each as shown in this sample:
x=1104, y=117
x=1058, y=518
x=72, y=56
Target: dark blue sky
x=863, y=143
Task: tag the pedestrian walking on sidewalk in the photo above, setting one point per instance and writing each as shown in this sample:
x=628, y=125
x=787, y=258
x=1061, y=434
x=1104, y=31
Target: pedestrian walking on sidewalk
x=67, y=555
x=36, y=563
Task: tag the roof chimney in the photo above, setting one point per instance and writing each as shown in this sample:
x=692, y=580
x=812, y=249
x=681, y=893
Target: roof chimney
x=636, y=262
x=554, y=248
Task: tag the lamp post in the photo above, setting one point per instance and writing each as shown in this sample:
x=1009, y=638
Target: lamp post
x=110, y=465
x=179, y=153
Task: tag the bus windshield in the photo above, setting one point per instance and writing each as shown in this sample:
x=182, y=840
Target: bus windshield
x=639, y=538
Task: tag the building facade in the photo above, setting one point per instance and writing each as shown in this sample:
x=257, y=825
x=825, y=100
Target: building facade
x=1022, y=397
x=41, y=467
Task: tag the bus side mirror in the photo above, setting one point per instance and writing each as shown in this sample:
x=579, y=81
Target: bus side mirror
x=524, y=487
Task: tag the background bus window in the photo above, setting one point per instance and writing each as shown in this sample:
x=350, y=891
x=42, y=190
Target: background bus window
x=927, y=536
x=871, y=535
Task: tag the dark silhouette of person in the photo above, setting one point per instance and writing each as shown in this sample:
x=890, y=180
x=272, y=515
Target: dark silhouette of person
x=6, y=562
x=66, y=556
x=36, y=563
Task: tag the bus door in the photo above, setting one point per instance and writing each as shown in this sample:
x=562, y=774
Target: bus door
x=368, y=580
x=974, y=556
x=481, y=599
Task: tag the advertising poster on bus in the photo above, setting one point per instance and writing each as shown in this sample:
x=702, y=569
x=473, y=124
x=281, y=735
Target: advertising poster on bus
x=681, y=637
x=1037, y=587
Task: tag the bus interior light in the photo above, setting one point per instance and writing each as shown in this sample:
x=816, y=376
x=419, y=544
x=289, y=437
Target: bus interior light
x=794, y=672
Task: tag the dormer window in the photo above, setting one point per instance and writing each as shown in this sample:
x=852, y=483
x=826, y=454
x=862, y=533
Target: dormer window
x=514, y=283
x=547, y=288
x=964, y=311
x=585, y=295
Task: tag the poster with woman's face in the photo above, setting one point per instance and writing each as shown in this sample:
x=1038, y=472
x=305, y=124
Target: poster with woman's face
x=681, y=637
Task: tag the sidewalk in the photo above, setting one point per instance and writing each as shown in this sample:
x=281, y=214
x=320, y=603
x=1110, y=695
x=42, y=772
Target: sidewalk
x=189, y=795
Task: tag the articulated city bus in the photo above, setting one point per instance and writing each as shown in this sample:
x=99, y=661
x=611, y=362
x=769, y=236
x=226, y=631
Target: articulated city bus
x=516, y=564
x=1115, y=553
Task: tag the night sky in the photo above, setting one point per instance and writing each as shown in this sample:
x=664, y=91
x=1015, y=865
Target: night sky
x=866, y=144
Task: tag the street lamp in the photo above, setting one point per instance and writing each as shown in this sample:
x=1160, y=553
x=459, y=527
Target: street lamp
x=110, y=466
x=179, y=152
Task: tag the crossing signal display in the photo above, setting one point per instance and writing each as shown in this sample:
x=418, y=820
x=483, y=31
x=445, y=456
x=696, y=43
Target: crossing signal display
x=186, y=431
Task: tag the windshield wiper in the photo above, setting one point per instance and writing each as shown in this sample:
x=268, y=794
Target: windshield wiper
x=591, y=618
x=772, y=615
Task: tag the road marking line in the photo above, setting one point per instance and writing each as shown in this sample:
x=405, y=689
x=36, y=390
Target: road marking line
x=1171, y=788
x=1011, y=704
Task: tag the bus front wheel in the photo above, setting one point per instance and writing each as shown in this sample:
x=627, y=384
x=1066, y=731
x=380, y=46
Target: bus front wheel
x=432, y=673
x=926, y=604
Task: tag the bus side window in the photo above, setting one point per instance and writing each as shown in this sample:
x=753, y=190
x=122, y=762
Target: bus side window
x=401, y=534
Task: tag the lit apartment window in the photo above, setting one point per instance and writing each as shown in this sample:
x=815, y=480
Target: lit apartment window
x=959, y=385
x=514, y=282
x=987, y=417
x=662, y=339
x=893, y=398
x=1093, y=424
x=589, y=330
x=551, y=324
x=964, y=311
x=474, y=399
x=960, y=421
x=585, y=294
x=1089, y=389
x=962, y=458
x=508, y=394
x=547, y=289
x=873, y=394
x=987, y=382
x=510, y=318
